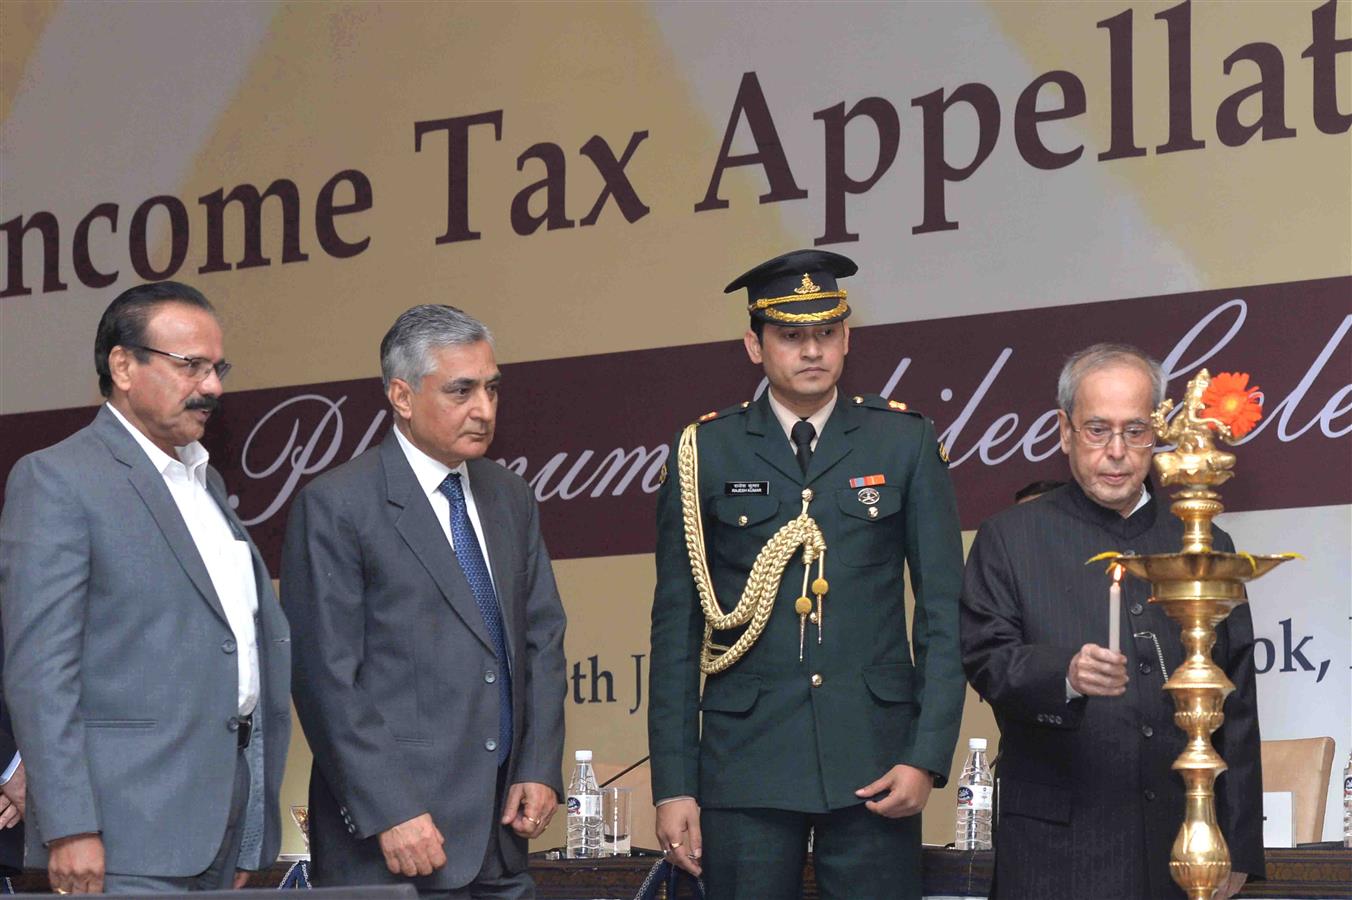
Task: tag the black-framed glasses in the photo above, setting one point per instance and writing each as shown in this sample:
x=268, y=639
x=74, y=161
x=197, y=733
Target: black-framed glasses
x=1137, y=436
x=197, y=367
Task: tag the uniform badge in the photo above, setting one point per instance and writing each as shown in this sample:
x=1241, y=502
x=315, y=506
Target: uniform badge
x=868, y=481
x=709, y=415
x=662, y=475
x=943, y=453
x=897, y=405
x=869, y=496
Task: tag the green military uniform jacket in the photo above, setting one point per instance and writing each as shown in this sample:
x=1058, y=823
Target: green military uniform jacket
x=803, y=736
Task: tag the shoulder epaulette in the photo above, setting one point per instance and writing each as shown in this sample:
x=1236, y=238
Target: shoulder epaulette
x=723, y=413
x=874, y=401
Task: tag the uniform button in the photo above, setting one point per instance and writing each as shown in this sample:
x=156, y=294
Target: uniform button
x=1147, y=731
x=807, y=494
x=232, y=724
x=1150, y=795
x=1144, y=668
x=858, y=400
x=228, y=645
x=873, y=512
x=816, y=680
x=741, y=520
x=490, y=677
x=490, y=745
x=1136, y=609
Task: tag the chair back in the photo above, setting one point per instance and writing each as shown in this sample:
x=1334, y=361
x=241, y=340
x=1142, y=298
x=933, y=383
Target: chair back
x=1302, y=767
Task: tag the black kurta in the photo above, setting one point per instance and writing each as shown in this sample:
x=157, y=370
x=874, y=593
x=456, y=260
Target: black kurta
x=1088, y=804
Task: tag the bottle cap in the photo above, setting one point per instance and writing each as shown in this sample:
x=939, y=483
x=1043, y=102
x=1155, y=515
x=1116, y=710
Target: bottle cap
x=582, y=756
x=976, y=744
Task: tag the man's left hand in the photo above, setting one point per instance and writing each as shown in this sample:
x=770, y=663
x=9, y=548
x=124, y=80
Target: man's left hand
x=1232, y=886
x=16, y=789
x=907, y=789
x=529, y=808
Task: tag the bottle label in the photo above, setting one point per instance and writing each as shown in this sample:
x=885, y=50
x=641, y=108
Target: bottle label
x=588, y=806
x=976, y=796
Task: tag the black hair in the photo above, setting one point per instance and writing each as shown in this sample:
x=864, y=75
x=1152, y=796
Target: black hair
x=124, y=321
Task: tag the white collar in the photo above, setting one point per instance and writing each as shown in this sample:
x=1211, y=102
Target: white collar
x=1145, y=498
x=193, y=457
x=429, y=472
x=788, y=418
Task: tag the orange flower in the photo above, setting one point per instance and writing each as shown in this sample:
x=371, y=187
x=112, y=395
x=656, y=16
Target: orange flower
x=1229, y=399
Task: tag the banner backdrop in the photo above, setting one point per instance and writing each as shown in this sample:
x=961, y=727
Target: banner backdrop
x=1016, y=181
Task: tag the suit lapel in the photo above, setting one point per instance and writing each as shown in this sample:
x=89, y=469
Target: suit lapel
x=151, y=487
x=769, y=441
x=833, y=445
x=493, y=517
x=417, y=524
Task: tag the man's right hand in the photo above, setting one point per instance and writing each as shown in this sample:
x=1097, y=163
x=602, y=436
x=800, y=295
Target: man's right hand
x=1098, y=672
x=413, y=847
x=75, y=864
x=679, y=836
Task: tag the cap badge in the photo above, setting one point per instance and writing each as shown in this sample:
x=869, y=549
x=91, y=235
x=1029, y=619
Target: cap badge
x=807, y=287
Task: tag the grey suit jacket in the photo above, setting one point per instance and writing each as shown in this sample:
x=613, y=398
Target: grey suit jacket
x=120, y=666
x=395, y=674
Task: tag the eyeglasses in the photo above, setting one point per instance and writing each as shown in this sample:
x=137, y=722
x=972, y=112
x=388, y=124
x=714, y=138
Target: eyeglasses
x=197, y=367
x=1099, y=434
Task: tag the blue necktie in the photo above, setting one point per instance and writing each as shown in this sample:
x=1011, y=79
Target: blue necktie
x=471, y=560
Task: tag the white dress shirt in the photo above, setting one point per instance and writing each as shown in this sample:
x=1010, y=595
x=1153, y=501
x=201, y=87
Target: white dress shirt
x=430, y=474
x=787, y=418
x=229, y=561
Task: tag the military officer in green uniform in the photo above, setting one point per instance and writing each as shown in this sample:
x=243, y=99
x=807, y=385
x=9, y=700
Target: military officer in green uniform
x=783, y=529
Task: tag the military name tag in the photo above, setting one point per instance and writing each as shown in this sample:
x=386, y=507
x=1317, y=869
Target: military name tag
x=741, y=488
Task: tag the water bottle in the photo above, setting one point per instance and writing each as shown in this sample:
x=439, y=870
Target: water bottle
x=1347, y=803
x=976, y=789
x=584, y=810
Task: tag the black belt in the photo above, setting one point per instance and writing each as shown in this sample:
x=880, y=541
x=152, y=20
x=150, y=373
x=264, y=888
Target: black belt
x=245, y=732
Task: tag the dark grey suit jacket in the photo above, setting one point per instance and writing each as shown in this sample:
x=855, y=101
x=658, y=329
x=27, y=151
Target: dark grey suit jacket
x=395, y=674
x=121, y=670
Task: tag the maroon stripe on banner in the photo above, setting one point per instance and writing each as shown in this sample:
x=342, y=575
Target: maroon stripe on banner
x=590, y=433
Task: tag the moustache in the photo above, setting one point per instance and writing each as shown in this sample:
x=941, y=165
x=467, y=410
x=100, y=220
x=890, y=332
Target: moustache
x=210, y=404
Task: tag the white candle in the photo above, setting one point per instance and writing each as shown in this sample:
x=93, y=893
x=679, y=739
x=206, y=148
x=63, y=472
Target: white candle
x=1115, y=611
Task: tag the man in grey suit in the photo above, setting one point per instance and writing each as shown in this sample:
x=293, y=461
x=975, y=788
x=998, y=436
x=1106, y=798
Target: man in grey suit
x=147, y=661
x=429, y=672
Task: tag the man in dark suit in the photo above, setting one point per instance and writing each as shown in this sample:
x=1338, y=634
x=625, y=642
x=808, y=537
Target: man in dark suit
x=822, y=717
x=429, y=671
x=147, y=661
x=1088, y=804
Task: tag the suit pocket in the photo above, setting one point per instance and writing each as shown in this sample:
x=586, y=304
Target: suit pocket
x=730, y=693
x=870, y=531
x=120, y=723
x=1035, y=801
x=891, y=682
x=742, y=525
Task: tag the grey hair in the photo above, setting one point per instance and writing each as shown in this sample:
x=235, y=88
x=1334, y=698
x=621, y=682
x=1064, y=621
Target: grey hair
x=1101, y=356
x=406, y=349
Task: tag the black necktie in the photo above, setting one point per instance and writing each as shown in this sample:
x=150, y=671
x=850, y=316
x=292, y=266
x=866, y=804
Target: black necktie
x=802, y=436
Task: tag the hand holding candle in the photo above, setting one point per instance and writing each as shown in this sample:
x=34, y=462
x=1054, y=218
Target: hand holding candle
x=1115, y=611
